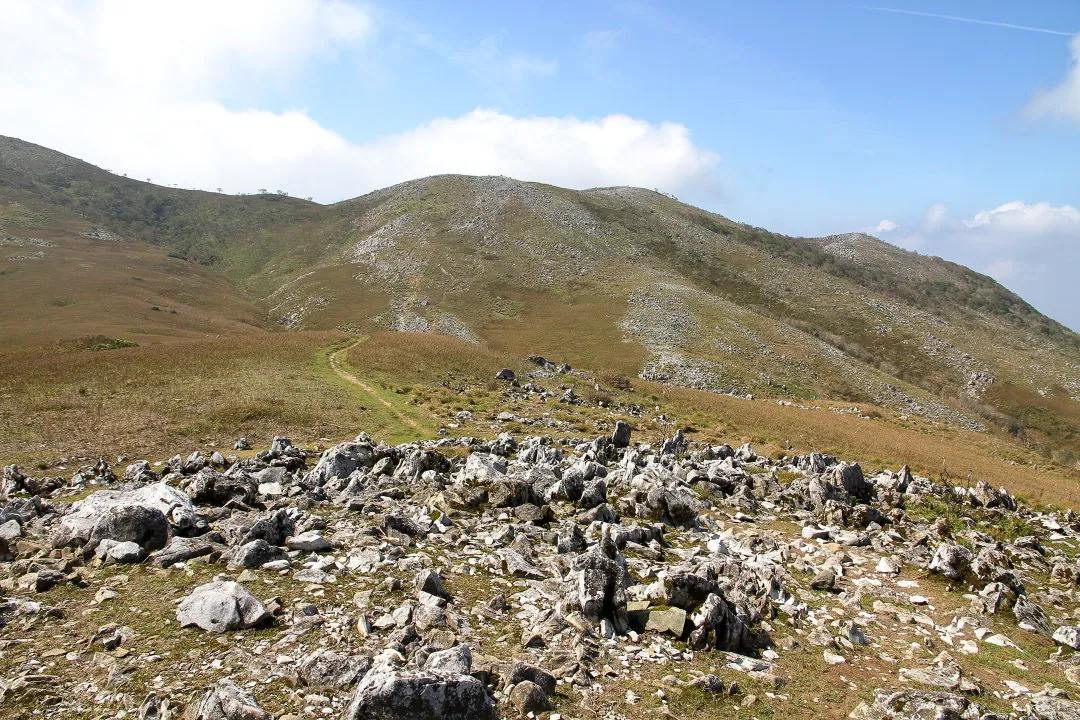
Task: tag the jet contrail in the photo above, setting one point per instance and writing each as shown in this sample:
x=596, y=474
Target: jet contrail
x=967, y=20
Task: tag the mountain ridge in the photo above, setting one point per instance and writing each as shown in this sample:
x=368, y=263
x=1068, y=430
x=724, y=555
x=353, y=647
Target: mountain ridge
x=619, y=277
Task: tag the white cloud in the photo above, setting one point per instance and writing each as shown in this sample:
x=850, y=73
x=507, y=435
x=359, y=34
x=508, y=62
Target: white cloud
x=935, y=216
x=1062, y=100
x=137, y=88
x=614, y=150
x=1033, y=248
x=1020, y=218
x=190, y=49
x=885, y=226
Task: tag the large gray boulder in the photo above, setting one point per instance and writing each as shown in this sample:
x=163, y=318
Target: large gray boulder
x=850, y=477
x=254, y=554
x=917, y=705
x=221, y=606
x=391, y=693
x=226, y=701
x=75, y=527
x=145, y=526
x=952, y=561
x=209, y=487
x=327, y=670
x=340, y=462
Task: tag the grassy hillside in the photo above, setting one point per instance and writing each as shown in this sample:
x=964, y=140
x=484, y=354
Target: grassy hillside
x=62, y=277
x=614, y=279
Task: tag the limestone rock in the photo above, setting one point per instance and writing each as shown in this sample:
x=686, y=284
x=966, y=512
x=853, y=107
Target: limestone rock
x=391, y=693
x=226, y=701
x=221, y=606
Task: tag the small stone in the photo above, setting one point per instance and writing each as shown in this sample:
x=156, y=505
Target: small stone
x=528, y=697
x=833, y=658
x=310, y=541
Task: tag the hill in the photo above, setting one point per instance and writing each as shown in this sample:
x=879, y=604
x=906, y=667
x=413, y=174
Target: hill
x=623, y=280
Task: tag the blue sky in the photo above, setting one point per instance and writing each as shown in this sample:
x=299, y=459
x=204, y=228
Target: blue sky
x=952, y=128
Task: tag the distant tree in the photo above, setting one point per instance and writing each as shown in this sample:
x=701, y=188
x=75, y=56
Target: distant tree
x=263, y=191
x=219, y=189
x=282, y=192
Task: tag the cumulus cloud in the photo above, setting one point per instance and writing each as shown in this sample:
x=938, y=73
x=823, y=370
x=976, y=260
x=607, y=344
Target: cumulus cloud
x=885, y=226
x=1062, y=100
x=139, y=88
x=1033, y=248
x=170, y=49
x=1020, y=218
x=614, y=150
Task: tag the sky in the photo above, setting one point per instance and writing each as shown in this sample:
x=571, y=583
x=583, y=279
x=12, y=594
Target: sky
x=947, y=127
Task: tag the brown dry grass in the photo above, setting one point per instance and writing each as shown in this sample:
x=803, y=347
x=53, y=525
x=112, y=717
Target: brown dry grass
x=427, y=358
x=82, y=286
x=174, y=397
x=583, y=333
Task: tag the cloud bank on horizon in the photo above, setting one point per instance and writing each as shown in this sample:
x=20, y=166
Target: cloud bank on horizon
x=1017, y=243
x=155, y=90
x=145, y=82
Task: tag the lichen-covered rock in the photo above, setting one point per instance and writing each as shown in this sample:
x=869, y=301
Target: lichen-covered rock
x=209, y=487
x=226, y=701
x=327, y=670
x=75, y=527
x=951, y=560
x=145, y=526
x=221, y=606
x=917, y=705
x=391, y=693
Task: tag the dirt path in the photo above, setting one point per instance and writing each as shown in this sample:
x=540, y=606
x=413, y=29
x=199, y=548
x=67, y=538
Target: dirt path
x=336, y=365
